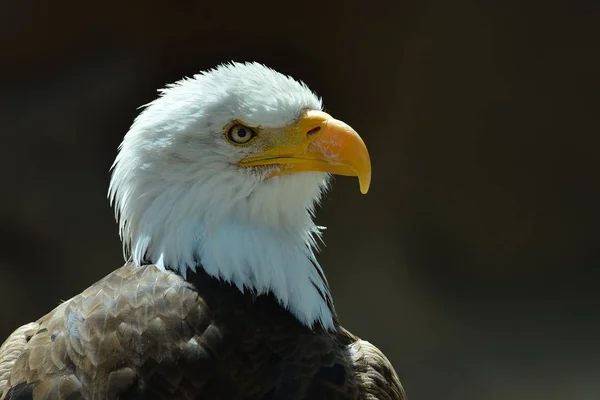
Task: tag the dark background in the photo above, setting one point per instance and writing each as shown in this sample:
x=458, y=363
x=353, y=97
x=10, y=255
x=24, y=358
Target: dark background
x=472, y=262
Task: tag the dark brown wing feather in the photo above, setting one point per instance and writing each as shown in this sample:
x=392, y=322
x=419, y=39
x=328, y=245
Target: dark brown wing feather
x=145, y=333
x=12, y=348
x=376, y=378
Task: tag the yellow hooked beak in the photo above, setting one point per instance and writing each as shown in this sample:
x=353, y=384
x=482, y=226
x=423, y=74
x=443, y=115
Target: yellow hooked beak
x=316, y=142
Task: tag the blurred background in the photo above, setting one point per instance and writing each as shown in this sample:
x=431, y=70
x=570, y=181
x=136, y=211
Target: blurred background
x=472, y=262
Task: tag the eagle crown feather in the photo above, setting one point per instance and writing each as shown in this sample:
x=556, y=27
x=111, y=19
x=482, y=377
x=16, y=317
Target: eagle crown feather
x=182, y=201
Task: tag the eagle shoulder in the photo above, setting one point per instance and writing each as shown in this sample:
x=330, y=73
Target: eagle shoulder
x=375, y=375
x=12, y=348
x=105, y=341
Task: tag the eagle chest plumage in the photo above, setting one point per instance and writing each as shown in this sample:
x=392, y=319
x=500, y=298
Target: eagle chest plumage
x=144, y=333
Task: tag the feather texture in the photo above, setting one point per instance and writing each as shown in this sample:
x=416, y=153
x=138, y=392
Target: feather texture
x=145, y=333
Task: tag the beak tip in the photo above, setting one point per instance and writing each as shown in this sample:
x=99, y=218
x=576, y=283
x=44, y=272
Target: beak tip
x=364, y=185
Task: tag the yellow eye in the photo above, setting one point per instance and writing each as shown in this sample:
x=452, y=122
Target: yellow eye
x=240, y=134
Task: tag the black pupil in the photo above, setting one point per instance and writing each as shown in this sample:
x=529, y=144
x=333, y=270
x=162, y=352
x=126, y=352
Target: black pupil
x=242, y=132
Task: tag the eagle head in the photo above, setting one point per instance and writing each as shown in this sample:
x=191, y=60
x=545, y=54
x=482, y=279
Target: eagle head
x=223, y=170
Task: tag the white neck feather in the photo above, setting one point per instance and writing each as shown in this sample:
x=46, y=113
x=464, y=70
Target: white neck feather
x=256, y=242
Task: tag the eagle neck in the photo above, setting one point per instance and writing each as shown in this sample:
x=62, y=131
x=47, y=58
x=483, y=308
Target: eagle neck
x=254, y=258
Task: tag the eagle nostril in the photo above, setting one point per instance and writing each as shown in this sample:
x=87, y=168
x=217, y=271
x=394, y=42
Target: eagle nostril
x=313, y=131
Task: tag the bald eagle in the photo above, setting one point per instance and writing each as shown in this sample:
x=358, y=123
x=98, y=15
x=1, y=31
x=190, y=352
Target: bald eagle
x=221, y=297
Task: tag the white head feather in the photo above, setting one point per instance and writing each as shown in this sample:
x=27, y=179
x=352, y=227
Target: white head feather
x=182, y=201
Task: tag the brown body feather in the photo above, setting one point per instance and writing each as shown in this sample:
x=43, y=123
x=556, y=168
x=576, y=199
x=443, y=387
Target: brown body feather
x=145, y=333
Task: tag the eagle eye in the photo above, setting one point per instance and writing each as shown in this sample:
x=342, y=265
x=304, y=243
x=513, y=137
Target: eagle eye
x=240, y=134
